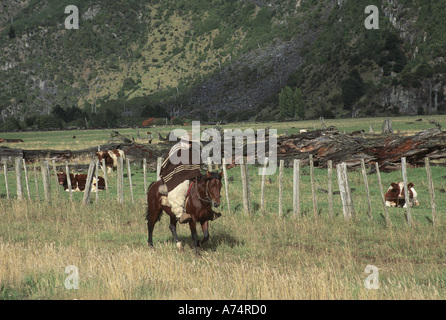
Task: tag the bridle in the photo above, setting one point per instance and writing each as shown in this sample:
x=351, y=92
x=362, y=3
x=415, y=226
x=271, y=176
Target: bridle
x=208, y=198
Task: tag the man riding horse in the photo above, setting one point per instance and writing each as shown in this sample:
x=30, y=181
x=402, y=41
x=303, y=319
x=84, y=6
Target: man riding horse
x=180, y=165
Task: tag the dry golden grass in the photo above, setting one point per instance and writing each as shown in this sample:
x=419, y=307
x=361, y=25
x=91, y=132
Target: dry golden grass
x=247, y=257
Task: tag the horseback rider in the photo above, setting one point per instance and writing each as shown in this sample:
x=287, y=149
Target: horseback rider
x=180, y=165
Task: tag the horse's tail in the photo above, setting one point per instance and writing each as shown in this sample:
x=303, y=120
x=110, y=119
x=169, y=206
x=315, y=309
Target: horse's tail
x=148, y=204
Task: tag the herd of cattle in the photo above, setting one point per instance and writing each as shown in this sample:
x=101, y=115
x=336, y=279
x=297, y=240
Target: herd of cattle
x=394, y=197
x=78, y=181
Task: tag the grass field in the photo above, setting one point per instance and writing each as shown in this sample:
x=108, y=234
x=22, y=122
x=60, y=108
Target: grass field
x=247, y=257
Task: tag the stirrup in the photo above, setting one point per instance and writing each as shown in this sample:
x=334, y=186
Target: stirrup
x=185, y=218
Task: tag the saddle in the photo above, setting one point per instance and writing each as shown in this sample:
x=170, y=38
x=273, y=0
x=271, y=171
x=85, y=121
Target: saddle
x=164, y=193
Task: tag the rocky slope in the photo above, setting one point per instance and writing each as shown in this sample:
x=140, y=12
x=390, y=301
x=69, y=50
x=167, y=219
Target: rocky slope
x=222, y=59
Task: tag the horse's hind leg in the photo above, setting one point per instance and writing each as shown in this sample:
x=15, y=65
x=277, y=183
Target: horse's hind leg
x=151, y=220
x=173, y=229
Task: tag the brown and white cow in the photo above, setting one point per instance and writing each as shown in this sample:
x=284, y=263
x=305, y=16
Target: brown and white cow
x=63, y=181
x=78, y=182
x=394, y=196
x=111, y=158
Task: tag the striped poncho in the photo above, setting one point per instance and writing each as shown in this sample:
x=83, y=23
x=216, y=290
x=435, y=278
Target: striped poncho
x=174, y=174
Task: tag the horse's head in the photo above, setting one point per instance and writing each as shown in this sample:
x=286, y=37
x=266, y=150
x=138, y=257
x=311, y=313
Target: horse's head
x=213, y=187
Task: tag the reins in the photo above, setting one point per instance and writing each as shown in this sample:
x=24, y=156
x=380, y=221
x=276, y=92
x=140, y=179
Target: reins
x=208, y=198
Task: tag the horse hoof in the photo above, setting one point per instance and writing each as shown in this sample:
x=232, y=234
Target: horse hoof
x=180, y=246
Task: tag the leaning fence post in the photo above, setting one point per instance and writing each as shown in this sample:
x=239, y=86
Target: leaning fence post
x=366, y=185
x=430, y=184
x=225, y=178
x=18, y=174
x=406, y=192
x=313, y=186
x=386, y=212
x=281, y=165
x=88, y=182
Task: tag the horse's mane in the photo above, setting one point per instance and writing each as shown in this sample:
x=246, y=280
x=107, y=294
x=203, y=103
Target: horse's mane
x=214, y=175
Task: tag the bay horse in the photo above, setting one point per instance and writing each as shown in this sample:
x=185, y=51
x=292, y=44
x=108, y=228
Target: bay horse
x=203, y=196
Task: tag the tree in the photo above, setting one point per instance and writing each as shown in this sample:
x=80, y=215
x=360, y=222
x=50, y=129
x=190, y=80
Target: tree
x=352, y=89
x=299, y=104
x=291, y=103
x=286, y=106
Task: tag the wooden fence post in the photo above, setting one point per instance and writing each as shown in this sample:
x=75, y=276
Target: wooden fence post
x=104, y=170
x=344, y=188
x=296, y=188
x=281, y=165
x=36, y=181
x=313, y=187
x=386, y=212
x=88, y=182
x=349, y=192
x=96, y=161
x=120, y=181
x=26, y=179
x=262, y=188
x=56, y=179
x=330, y=188
x=245, y=187
x=144, y=168
x=225, y=178
x=70, y=186
x=406, y=192
x=129, y=172
x=366, y=185
x=430, y=184
x=46, y=180
x=5, y=169
x=18, y=174
x=342, y=191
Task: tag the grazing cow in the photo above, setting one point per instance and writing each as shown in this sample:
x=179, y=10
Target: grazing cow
x=394, y=196
x=111, y=158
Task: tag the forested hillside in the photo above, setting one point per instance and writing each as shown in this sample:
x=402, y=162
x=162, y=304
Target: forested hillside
x=261, y=60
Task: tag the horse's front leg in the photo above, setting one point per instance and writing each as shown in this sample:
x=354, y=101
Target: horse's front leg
x=193, y=231
x=173, y=229
x=205, y=228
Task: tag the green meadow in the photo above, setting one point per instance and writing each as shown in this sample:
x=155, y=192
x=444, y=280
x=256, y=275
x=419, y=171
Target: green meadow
x=257, y=256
